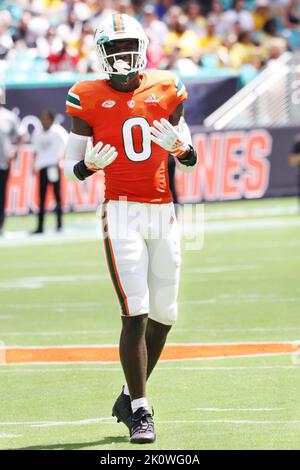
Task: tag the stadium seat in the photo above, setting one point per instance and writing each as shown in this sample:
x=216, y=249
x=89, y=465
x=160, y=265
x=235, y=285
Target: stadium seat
x=226, y=4
x=247, y=74
x=293, y=38
x=210, y=61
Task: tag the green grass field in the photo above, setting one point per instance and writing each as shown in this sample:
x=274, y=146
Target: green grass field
x=242, y=286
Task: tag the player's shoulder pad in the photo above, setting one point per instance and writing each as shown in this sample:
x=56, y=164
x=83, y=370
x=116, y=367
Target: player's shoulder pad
x=81, y=92
x=168, y=80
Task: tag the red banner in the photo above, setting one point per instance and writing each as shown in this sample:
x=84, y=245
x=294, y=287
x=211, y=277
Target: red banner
x=22, y=190
x=231, y=165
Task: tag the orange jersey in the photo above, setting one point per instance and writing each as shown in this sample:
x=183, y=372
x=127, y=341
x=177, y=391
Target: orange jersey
x=123, y=120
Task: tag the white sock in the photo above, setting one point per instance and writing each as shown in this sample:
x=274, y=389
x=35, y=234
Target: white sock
x=126, y=390
x=139, y=403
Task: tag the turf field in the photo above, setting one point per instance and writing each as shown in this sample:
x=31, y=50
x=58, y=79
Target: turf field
x=239, y=307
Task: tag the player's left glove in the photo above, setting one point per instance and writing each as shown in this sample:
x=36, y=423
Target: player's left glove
x=169, y=137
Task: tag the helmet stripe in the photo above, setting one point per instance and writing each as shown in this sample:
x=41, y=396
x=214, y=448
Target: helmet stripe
x=118, y=23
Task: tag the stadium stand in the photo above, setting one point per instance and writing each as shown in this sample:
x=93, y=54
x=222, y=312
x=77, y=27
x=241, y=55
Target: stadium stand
x=42, y=38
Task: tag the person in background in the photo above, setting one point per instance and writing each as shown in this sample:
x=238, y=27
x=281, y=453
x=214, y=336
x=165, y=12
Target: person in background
x=238, y=13
x=156, y=31
x=196, y=20
x=65, y=59
x=216, y=15
x=211, y=41
x=11, y=138
x=182, y=39
x=292, y=15
x=49, y=145
x=244, y=51
x=294, y=160
x=272, y=43
x=261, y=14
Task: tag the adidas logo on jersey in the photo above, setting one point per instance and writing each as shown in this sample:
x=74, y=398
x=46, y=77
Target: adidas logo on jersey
x=152, y=99
x=108, y=104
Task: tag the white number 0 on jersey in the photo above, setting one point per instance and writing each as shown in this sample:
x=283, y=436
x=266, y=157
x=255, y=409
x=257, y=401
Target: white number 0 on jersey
x=128, y=139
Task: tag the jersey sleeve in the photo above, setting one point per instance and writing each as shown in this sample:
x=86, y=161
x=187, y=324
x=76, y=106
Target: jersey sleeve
x=181, y=93
x=177, y=92
x=74, y=102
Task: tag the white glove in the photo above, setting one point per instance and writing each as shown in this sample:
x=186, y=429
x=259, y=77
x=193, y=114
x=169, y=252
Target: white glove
x=97, y=159
x=168, y=137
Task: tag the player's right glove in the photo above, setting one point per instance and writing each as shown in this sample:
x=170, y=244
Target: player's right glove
x=99, y=157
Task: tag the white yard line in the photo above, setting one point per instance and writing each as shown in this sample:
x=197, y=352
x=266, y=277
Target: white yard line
x=37, y=282
x=231, y=330
x=237, y=409
x=231, y=421
x=48, y=424
x=55, y=333
x=222, y=269
x=237, y=301
x=101, y=332
x=13, y=368
x=73, y=235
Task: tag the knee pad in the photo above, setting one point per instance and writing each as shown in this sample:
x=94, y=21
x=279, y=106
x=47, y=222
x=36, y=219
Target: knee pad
x=166, y=317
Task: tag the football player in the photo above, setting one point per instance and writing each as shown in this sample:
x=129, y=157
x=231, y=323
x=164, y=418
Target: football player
x=135, y=120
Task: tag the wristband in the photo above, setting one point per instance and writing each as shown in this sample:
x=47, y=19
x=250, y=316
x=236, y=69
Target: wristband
x=81, y=171
x=190, y=159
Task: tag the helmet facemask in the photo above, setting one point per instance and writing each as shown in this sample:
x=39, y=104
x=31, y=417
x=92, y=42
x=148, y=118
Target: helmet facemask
x=127, y=61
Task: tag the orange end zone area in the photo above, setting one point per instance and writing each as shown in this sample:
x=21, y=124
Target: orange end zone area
x=76, y=354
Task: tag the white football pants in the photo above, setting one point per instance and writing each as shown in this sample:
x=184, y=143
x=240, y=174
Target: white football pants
x=142, y=250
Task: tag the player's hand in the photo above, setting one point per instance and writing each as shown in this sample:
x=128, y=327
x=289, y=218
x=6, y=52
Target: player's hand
x=169, y=137
x=100, y=156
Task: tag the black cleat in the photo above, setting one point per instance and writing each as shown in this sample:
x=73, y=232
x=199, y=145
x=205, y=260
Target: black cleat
x=142, y=429
x=122, y=409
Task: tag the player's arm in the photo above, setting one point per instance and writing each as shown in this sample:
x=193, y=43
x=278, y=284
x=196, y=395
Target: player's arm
x=174, y=135
x=80, y=163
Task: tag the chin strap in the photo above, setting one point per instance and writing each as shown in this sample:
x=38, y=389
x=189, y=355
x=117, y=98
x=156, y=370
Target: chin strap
x=123, y=78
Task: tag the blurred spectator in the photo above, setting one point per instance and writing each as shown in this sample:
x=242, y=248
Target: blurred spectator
x=125, y=6
x=58, y=35
x=66, y=58
x=171, y=18
x=279, y=7
x=238, y=14
x=11, y=138
x=181, y=38
x=23, y=33
x=272, y=43
x=244, y=51
x=49, y=145
x=261, y=14
x=196, y=20
x=211, y=41
x=292, y=16
x=156, y=31
x=294, y=160
x=163, y=7
x=6, y=42
x=216, y=15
